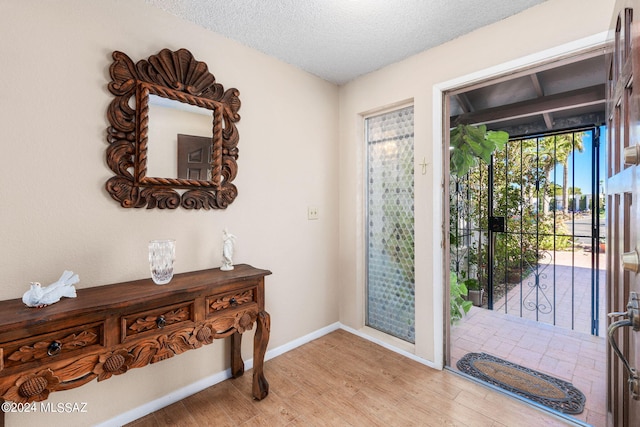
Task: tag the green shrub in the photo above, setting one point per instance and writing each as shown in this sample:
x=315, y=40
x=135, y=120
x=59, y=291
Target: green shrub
x=458, y=305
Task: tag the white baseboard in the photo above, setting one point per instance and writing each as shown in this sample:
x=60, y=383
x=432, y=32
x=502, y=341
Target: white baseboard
x=173, y=397
x=391, y=347
x=200, y=385
x=300, y=341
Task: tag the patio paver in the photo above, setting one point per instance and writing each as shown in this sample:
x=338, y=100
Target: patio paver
x=573, y=355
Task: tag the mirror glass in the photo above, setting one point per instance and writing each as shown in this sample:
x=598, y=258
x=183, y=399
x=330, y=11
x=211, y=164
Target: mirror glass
x=179, y=140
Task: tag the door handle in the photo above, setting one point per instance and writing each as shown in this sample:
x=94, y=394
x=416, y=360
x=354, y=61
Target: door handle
x=631, y=318
x=631, y=261
x=632, y=155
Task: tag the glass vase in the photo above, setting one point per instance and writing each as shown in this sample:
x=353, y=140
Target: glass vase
x=162, y=253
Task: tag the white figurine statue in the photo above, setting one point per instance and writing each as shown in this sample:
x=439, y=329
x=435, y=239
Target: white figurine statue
x=227, y=250
x=39, y=296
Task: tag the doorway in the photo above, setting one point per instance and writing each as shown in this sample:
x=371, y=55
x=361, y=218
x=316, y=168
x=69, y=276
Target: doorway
x=525, y=229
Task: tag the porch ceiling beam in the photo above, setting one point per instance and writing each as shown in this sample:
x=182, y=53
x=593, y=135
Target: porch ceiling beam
x=538, y=127
x=548, y=120
x=465, y=104
x=547, y=104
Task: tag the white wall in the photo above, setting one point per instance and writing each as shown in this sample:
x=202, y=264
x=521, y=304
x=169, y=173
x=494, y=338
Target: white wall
x=56, y=214
x=546, y=26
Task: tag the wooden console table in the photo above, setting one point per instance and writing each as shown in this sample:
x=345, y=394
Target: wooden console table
x=110, y=329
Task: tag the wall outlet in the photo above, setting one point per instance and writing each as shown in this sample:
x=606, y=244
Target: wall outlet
x=312, y=212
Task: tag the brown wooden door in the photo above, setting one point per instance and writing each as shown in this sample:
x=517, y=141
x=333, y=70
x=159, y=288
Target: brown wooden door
x=623, y=208
x=194, y=157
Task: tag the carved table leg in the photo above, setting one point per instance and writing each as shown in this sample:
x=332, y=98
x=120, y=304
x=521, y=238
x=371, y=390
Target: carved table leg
x=237, y=365
x=260, y=341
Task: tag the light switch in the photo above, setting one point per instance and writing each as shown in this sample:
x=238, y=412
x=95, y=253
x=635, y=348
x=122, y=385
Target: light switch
x=312, y=212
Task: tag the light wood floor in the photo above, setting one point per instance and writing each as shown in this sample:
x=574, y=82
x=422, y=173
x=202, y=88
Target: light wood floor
x=343, y=380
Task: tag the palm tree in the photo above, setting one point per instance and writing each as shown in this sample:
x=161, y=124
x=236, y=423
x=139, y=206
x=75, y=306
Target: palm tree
x=554, y=150
x=565, y=145
x=538, y=160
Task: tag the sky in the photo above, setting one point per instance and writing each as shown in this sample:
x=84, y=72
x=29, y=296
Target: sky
x=580, y=164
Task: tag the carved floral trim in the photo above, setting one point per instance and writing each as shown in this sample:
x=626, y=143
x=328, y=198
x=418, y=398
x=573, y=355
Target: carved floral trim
x=149, y=322
x=39, y=349
x=203, y=335
x=37, y=386
x=34, y=387
x=245, y=322
x=113, y=363
x=232, y=300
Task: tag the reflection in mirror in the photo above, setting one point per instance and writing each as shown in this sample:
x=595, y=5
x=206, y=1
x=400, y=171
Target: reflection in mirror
x=194, y=157
x=167, y=120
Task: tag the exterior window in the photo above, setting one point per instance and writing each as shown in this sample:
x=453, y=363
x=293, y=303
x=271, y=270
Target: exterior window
x=390, y=224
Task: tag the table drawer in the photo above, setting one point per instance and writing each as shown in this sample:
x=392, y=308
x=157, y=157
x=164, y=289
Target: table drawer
x=52, y=345
x=219, y=303
x=152, y=320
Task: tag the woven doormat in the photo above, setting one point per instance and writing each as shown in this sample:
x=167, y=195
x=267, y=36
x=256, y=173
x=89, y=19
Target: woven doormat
x=544, y=389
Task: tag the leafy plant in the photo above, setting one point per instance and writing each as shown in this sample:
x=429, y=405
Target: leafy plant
x=468, y=143
x=458, y=305
x=472, y=284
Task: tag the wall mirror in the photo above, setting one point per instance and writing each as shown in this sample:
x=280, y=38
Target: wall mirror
x=172, y=135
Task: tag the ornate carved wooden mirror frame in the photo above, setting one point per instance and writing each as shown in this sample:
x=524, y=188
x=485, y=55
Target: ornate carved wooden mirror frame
x=179, y=77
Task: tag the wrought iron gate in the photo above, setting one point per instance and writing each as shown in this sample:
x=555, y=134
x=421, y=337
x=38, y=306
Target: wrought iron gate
x=526, y=229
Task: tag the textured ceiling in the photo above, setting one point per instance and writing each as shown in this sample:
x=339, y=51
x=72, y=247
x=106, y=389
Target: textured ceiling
x=339, y=40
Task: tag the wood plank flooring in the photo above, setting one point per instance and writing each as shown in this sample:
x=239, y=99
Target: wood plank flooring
x=343, y=380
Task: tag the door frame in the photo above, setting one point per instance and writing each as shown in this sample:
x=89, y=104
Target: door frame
x=440, y=164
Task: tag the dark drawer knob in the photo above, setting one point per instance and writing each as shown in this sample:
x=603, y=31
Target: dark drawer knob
x=54, y=348
x=233, y=302
x=161, y=322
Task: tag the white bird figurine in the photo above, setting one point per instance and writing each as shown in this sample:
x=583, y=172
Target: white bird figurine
x=39, y=296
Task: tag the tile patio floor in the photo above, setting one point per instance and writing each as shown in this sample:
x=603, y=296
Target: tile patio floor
x=572, y=355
